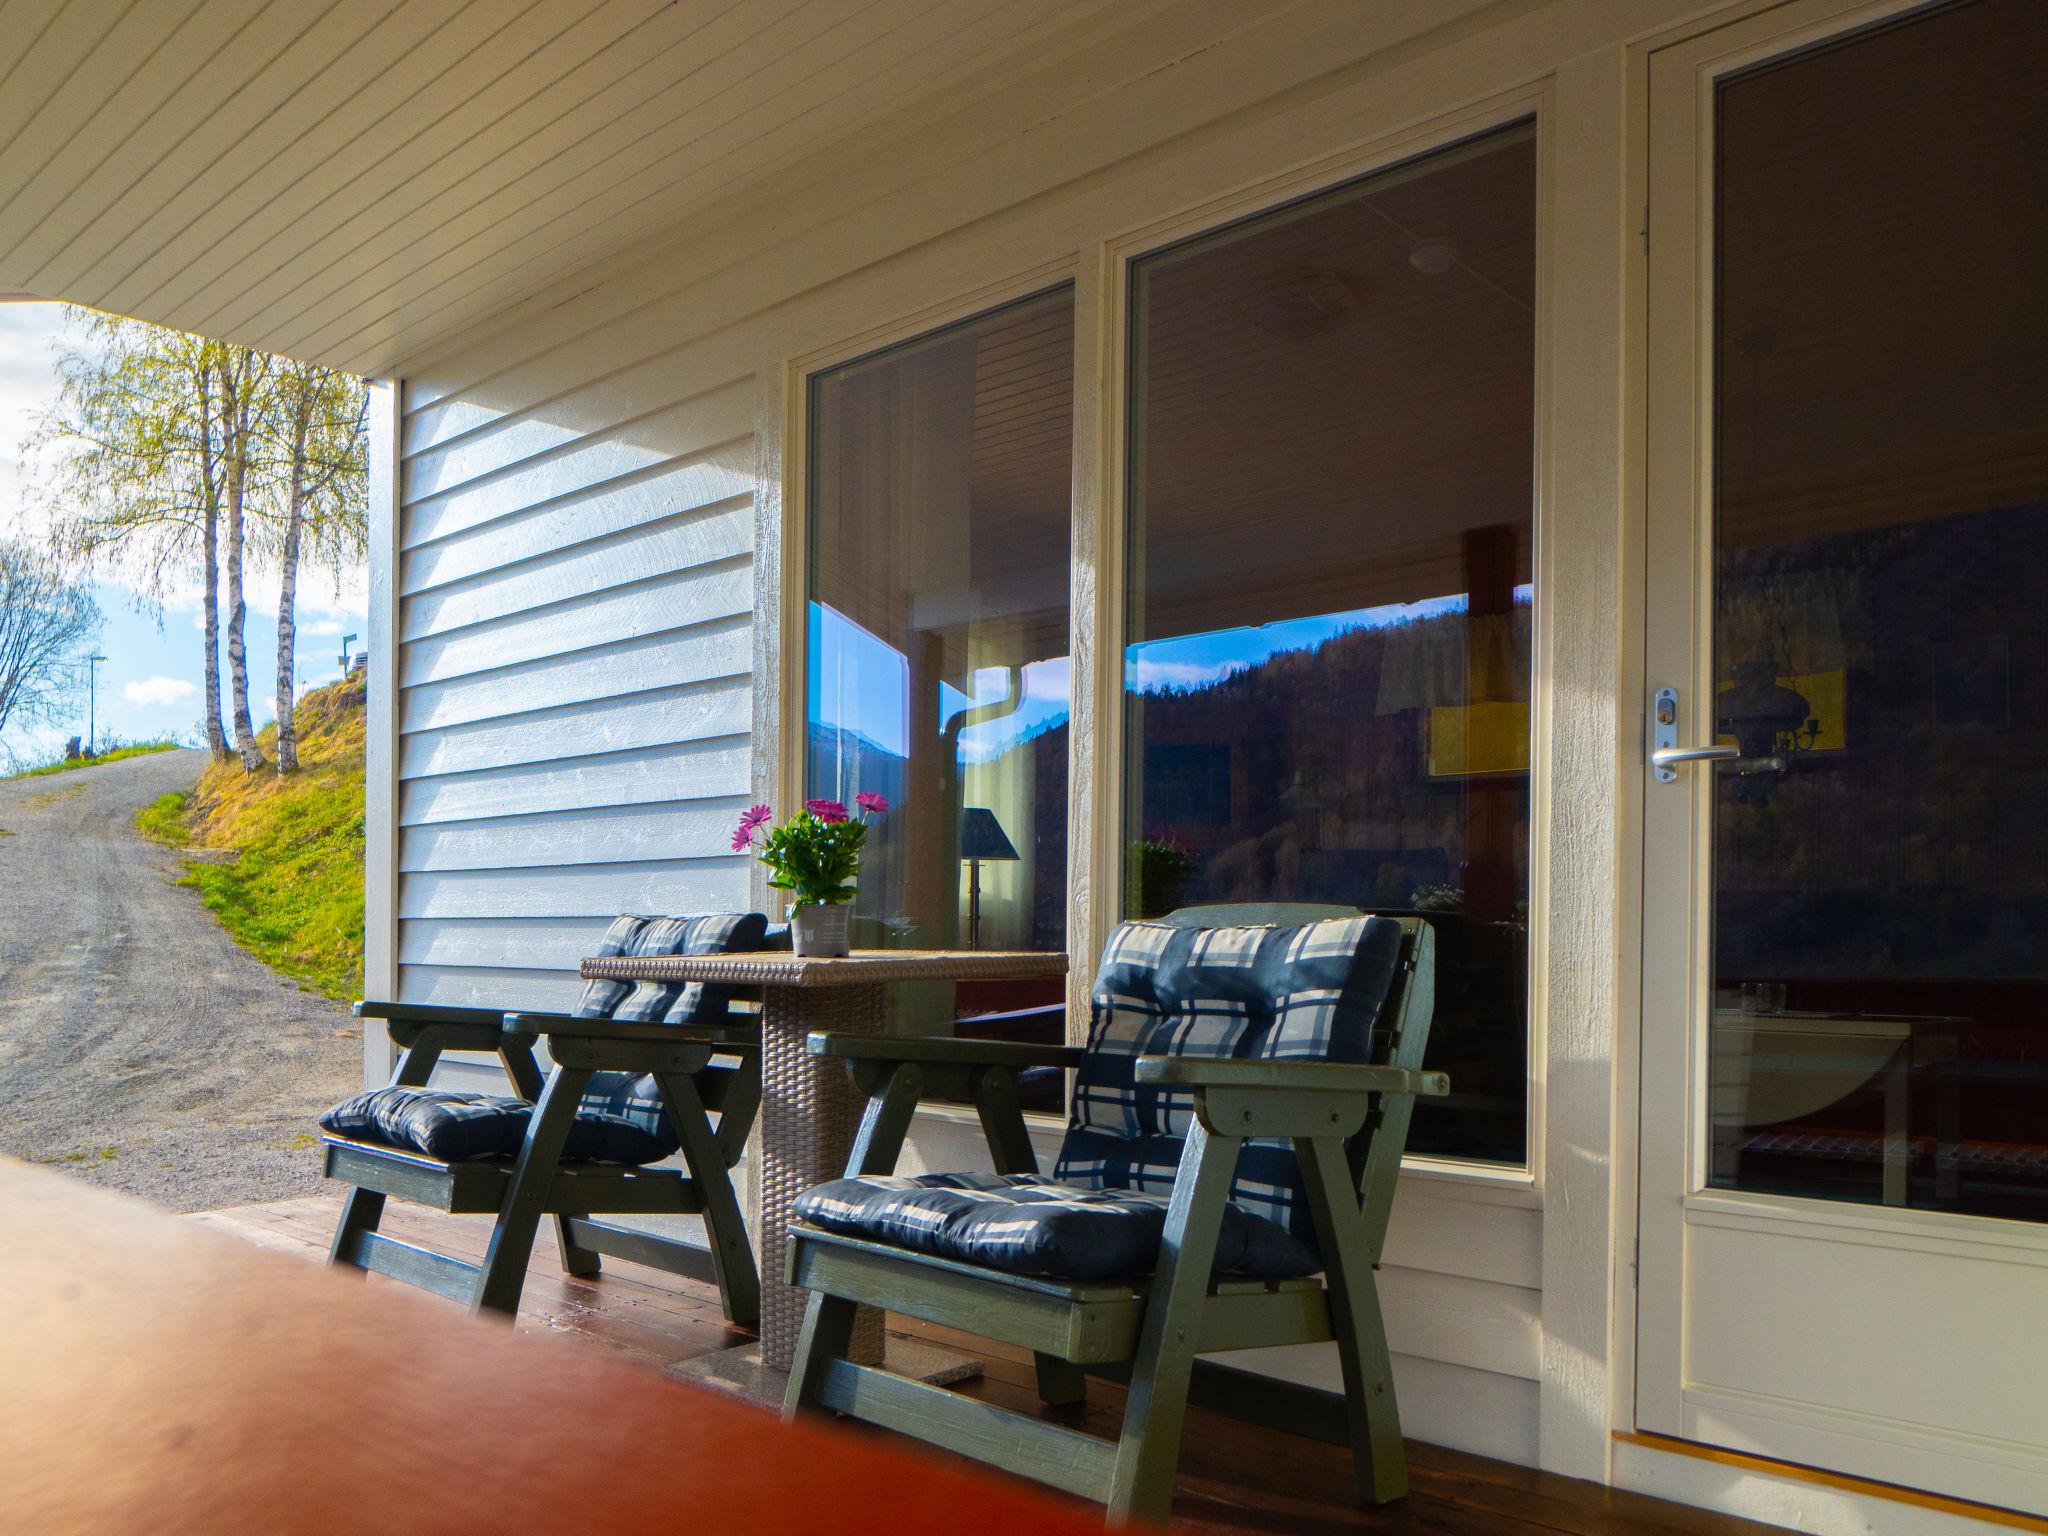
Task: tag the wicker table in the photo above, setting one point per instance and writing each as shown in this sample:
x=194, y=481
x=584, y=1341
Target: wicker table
x=809, y=1108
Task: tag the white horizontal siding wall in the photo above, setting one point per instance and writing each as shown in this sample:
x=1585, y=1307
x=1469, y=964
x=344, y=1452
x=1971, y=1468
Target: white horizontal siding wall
x=575, y=694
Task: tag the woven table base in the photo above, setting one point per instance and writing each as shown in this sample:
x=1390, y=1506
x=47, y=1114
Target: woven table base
x=809, y=1113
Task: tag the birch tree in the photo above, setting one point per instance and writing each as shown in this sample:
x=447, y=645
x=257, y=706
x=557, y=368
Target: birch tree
x=245, y=378
x=139, y=467
x=317, y=422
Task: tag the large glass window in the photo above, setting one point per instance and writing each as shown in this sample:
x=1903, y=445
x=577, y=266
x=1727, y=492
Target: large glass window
x=940, y=535
x=1327, y=658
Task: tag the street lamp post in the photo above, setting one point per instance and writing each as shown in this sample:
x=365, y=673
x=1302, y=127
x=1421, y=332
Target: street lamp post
x=92, y=673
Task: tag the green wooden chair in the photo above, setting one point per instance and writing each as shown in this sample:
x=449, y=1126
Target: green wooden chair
x=638, y=1073
x=1225, y=1182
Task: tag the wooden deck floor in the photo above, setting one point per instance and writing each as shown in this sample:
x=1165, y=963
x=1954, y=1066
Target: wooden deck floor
x=1234, y=1478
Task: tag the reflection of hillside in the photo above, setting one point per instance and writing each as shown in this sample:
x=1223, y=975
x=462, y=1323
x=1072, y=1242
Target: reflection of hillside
x=1300, y=776
x=1306, y=776
x=1938, y=634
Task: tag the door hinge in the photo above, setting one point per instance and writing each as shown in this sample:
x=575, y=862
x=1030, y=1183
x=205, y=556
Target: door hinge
x=1646, y=229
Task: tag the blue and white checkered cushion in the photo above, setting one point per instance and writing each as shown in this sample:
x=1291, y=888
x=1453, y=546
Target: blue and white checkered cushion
x=670, y=1002
x=1029, y=1225
x=620, y=1118
x=1310, y=992
x=618, y=1121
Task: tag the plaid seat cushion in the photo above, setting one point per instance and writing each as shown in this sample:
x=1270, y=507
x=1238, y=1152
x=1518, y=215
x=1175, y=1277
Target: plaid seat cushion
x=620, y=1118
x=660, y=1002
x=1029, y=1225
x=618, y=1121
x=1309, y=992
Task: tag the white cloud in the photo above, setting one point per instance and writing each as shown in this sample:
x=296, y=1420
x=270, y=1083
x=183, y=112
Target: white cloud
x=158, y=690
x=321, y=627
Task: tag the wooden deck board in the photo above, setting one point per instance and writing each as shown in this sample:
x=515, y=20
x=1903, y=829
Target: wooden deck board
x=1236, y=1479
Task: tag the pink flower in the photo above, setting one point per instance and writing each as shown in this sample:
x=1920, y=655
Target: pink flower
x=750, y=819
x=872, y=803
x=826, y=810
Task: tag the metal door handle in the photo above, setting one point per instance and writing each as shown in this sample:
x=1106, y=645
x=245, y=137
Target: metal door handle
x=1666, y=754
x=1666, y=757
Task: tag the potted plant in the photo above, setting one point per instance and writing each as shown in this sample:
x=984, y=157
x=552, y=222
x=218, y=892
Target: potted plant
x=815, y=856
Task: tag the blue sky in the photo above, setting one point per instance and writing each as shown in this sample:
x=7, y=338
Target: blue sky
x=859, y=681
x=149, y=684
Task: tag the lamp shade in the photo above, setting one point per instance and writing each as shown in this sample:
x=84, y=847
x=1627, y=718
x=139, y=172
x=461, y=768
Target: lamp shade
x=982, y=836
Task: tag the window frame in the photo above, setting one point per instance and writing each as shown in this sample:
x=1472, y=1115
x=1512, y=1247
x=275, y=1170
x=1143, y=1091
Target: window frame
x=1101, y=272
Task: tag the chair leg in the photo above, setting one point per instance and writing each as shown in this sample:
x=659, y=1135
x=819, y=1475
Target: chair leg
x=732, y=1256
x=361, y=1211
x=527, y=1079
x=1379, y=1465
x=826, y=1336
x=1148, y=1453
x=576, y=1259
x=503, y=1274
x=1061, y=1383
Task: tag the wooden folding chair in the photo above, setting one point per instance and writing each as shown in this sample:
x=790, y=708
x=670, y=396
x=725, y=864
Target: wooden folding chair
x=1021, y=1258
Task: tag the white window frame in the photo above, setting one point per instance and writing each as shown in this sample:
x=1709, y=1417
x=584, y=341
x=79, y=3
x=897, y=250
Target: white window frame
x=1100, y=272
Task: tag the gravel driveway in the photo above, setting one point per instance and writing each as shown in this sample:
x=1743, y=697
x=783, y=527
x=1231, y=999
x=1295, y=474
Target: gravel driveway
x=139, y=1047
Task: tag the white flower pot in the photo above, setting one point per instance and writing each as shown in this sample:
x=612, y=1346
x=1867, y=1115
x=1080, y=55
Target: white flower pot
x=818, y=932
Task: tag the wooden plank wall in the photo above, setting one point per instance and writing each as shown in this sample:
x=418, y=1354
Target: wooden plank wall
x=576, y=593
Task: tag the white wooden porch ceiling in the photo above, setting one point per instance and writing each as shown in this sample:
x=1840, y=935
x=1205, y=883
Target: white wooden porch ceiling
x=356, y=180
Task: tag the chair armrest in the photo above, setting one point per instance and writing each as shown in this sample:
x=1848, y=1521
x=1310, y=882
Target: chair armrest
x=1290, y=1076
x=1286, y=1099
x=436, y=1027
x=945, y=1050
x=568, y=1027
x=428, y=1013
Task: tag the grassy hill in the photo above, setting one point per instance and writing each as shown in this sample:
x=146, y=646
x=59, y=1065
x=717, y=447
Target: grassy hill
x=279, y=859
x=113, y=754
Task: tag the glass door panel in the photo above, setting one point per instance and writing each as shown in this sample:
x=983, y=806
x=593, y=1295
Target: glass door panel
x=1840, y=1258
x=1880, y=611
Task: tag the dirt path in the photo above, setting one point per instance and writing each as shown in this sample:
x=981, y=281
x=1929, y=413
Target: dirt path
x=139, y=1047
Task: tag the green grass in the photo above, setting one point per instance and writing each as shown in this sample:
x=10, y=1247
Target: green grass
x=112, y=755
x=163, y=820
x=290, y=887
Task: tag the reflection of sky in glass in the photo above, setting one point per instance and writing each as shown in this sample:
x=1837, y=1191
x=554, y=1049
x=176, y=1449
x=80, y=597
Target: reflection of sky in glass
x=1046, y=694
x=858, y=682
x=861, y=683
x=1188, y=662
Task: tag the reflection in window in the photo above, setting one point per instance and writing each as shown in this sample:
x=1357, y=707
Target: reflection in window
x=1881, y=644
x=1328, y=650
x=940, y=536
